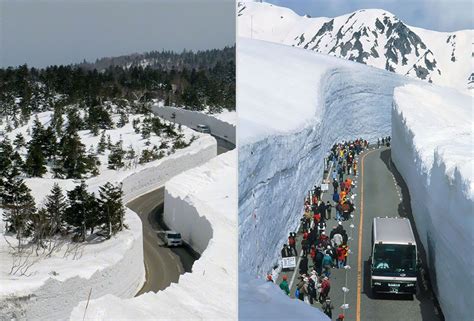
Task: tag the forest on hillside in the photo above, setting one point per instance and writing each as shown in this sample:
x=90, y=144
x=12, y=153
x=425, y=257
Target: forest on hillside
x=196, y=81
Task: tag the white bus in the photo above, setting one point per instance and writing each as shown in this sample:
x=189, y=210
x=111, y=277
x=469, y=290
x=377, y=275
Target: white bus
x=394, y=258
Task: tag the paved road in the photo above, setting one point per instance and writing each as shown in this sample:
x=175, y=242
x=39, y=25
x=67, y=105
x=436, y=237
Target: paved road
x=163, y=265
x=384, y=194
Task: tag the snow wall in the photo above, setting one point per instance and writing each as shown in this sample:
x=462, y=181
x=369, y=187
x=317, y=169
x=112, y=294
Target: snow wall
x=210, y=291
x=351, y=100
x=296, y=105
x=433, y=152
x=122, y=273
x=191, y=119
x=181, y=215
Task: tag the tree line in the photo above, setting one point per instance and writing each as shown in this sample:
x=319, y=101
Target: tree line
x=24, y=90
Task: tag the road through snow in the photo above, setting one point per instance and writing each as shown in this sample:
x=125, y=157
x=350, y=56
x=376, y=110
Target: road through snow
x=384, y=194
x=163, y=265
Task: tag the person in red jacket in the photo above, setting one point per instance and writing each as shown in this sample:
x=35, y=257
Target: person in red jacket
x=325, y=288
x=313, y=253
x=340, y=253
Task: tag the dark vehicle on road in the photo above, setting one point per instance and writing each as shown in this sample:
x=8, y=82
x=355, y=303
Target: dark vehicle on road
x=394, y=256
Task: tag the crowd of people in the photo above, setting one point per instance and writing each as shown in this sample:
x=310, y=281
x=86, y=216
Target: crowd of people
x=324, y=249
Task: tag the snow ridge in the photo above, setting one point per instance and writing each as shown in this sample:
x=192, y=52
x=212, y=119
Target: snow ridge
x=370, y=36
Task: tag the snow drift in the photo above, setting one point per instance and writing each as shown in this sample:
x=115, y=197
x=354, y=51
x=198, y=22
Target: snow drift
x=210, y=291
x=432, y=149
x=293, y=106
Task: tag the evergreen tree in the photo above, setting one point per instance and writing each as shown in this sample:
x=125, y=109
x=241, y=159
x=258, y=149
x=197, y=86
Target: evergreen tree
x=35, y=161
x=111, y=208
x=123, y=120
x=116, y=156
x=19, y=141
x=55, y=209
x=102, y=145
x=82, y=211
x=6, y=150
x=35, y=164
x=93, y=162
x=49, y=143
x=130, y=153
x=17, y=203
x=73, y=163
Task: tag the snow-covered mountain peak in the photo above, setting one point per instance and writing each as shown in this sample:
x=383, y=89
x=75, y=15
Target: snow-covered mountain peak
x=374, y=37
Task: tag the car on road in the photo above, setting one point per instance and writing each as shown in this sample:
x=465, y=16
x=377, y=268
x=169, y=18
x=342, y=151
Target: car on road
x=203, y=129
x=173, y=238
x=394, y=259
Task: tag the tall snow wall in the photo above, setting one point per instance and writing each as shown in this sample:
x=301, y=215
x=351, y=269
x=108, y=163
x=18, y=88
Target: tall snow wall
x=433, y=152
x=334, y=100
x=210, y=291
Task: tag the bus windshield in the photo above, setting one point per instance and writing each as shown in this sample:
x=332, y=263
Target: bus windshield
x=394, y=259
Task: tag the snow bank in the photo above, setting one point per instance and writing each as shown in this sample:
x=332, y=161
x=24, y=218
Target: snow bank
x=269, y=302
x=210, y=291
x=111, y=267
x=58, y=283
x=432, y=149
x=221, y=125
x=293, y=106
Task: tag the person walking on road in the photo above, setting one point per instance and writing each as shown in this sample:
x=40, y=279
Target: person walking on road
x=327, y=263
x=328, y=210
x=325, y=288
x=292, y=244
x=328, y=307
x=284, y=285
x=341, y=256
x=304, y=265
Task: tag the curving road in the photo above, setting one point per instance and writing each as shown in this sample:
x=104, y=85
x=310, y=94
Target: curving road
x=163, y=265
x=383, y=193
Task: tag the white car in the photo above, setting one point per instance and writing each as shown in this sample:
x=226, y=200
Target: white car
x=203, y=129
x=173, y=238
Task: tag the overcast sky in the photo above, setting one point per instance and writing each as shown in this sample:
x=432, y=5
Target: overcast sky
x=440, y=15
x=42, y=33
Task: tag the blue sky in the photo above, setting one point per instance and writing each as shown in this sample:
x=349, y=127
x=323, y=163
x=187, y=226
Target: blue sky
x=440, y=15
x=45, y=32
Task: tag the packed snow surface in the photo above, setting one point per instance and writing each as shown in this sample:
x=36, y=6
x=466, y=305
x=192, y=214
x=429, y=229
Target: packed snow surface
x=293, y=106
x=432, y=147
x=210, y=291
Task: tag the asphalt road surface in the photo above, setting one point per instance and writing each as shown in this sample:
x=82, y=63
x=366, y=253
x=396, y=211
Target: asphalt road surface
x=163, y=265
x=383, y=194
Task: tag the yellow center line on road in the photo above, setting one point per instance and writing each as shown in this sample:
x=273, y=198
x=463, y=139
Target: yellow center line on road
x=361, y=222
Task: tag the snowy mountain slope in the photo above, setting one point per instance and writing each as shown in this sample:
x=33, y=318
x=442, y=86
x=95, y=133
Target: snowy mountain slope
x=432, y=135
x=374, y=37
x=293, y=106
